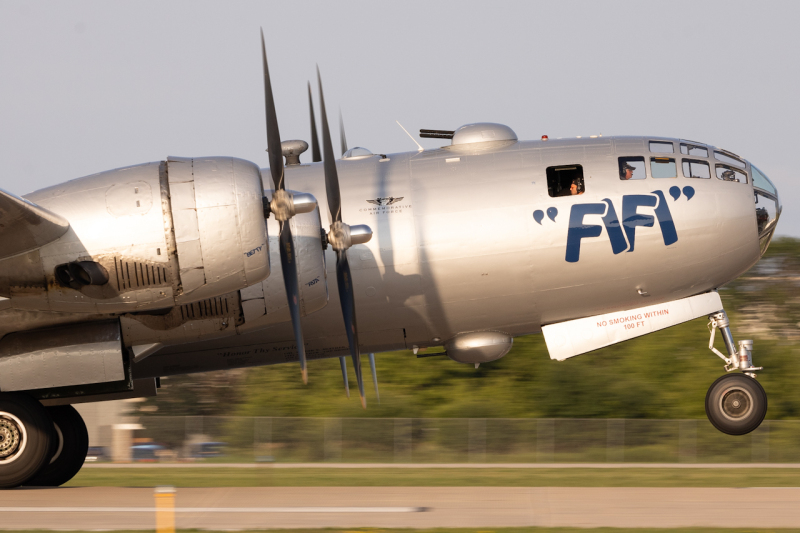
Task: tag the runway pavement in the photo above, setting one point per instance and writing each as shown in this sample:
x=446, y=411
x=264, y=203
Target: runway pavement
x=90, y=508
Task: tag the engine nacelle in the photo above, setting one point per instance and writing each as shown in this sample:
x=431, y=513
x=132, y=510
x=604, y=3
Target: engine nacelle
x=162, y=235
x=252, y=308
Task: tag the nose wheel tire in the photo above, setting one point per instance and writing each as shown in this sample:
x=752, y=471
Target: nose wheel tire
x=69, y=453
x=26, y=434
x=736, y=404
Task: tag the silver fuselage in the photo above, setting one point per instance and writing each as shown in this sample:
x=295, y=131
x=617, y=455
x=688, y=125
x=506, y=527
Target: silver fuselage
x=461, y=250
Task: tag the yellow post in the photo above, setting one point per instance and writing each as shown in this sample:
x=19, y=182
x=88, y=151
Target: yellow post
x=165, y=509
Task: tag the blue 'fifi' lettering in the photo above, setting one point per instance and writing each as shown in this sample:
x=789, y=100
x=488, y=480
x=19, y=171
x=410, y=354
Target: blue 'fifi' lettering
x=579, y=230
x=664, y=217
x=631, y=219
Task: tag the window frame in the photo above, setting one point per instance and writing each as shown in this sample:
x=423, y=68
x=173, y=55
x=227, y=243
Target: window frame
x=755, y=170
x=673, y=160
x=735, y=170
x=554, y=169
x=651, y=143
x=689, y=146
x=699, y=162
x=730, y=157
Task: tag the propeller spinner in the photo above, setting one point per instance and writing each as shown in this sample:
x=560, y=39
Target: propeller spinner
x=284, y=205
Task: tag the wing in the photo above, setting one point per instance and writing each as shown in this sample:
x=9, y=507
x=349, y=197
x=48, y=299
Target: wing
x=376, y=202
x=25, y=226
x=394, y=200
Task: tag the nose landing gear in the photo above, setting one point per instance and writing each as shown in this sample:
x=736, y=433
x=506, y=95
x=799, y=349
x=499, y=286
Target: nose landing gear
x=735, y=403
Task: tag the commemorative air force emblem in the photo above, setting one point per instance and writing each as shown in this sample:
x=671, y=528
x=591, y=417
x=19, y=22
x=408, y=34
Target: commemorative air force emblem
x=385, y=201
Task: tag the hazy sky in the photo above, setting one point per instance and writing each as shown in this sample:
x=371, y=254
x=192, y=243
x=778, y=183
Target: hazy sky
x=90, y=86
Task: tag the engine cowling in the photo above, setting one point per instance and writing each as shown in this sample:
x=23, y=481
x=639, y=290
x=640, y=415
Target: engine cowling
x=156, y=235
x=255, y=307
x=219, y=227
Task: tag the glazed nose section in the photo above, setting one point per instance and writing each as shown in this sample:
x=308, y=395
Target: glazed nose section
x=768, y=207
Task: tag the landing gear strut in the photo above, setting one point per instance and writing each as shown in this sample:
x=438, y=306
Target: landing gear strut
x=735, y=403
x=26, y=435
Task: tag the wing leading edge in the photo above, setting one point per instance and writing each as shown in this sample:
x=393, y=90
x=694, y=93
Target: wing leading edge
x=25, y=226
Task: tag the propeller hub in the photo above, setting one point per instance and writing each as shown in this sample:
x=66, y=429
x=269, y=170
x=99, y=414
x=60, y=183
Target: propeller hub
x=282, y=205
x=339, y=236
x=343, y=236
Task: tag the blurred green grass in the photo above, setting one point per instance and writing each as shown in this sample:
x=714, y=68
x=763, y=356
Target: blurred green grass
x=444, y=477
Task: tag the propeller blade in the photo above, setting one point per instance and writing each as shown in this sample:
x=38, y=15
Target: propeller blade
x=273, y=135
x=287, y=251
x=342, y=137
x=329, y=162
x=374, y=375
x=292, y=286
x=343, y=364
x=315, y=155
x=348, y=301
x=344, y=278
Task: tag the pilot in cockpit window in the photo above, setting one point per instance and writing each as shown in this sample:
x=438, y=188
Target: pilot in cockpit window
x=632, y=168
x=575, y=188
x=565, y=180
x=628, y=172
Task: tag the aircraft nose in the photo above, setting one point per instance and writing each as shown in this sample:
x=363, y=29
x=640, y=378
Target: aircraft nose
x=768, y=207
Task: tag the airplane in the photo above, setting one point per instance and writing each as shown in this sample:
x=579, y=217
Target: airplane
x=192, y=264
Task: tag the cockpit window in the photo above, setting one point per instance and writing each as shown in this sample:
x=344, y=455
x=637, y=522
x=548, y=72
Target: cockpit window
x=632, y=168
x=768, y=208
x=729, y=159
x=566, y=180
x=663, y=167
x=696, y=169
x=693, y=149
x=661, y=147
x=727, y=173
x=760, y=181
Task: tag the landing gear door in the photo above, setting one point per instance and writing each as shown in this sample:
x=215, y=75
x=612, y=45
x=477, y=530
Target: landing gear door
x=575, y=337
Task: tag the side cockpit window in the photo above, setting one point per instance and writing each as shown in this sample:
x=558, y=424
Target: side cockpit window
x=696, y=169
x=565, y=180
x=728, y=173
x=729, y=159
x=760, y=181
x=661, y=147
x=663, y=167
x=632, y=168
x=694, y=150
x=732, y=169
